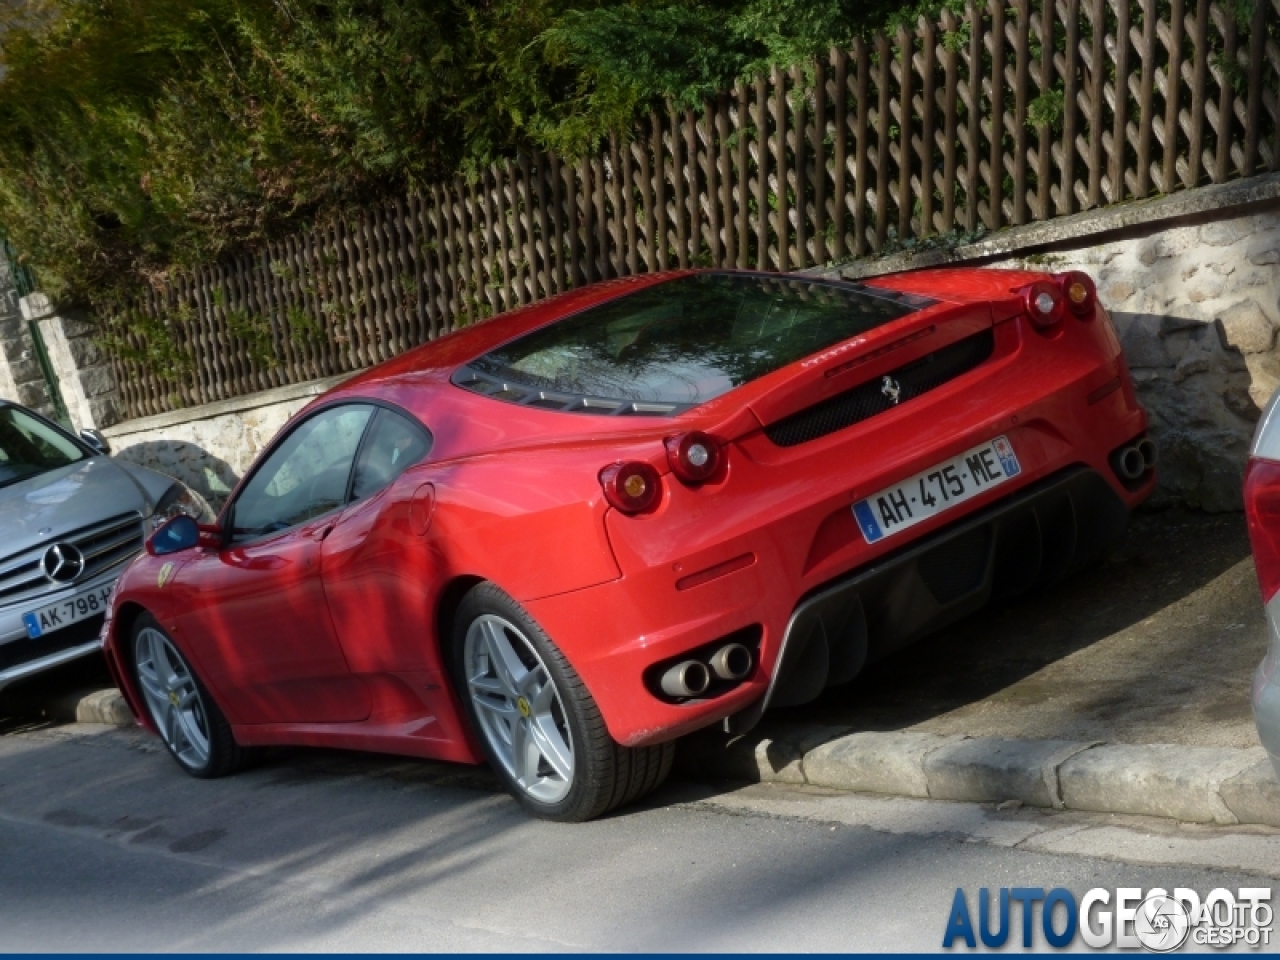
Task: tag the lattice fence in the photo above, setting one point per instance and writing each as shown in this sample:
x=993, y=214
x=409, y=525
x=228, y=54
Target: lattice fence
x=1006, y=115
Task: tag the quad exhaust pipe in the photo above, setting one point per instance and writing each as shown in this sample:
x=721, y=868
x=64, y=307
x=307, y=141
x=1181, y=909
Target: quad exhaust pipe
x=689, y=678
x=733, y=661
x=692, y=678
x=1134, y=460
x=1129, y=464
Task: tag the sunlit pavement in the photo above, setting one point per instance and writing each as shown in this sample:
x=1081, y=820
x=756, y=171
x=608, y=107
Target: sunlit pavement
x=107, y=846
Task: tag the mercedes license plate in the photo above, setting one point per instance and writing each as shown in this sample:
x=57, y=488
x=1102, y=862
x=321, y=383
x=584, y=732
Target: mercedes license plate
x=66, y=612
x=936, y=490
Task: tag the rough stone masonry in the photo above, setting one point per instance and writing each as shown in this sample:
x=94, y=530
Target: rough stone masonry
x=1197, y=310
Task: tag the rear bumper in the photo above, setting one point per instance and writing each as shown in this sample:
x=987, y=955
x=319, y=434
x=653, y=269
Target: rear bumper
x=813, y=639
x=1038, y=536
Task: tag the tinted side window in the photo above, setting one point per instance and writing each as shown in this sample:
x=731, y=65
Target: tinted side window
x=306, y=475
x=393, y=445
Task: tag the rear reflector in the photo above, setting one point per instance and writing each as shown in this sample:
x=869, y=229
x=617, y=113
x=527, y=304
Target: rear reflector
x=1262, y=511
x=716, y=572
x=1104, y=391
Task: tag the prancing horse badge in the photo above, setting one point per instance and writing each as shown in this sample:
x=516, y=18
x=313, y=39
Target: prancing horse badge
x=890, y=388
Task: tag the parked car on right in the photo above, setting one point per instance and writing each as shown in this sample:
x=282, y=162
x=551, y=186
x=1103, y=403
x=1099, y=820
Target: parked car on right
x=1262, y=509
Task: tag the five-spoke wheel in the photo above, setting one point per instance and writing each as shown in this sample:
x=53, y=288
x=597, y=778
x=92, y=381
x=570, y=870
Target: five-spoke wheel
x=172, y=697
x=518, y=708
x=538, y=724
x=189, y=722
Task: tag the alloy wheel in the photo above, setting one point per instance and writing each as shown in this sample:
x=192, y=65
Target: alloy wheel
x=172, y=697
x=519, y=709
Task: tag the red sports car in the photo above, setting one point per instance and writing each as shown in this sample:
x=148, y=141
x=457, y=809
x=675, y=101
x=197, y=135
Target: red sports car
x=558, y=540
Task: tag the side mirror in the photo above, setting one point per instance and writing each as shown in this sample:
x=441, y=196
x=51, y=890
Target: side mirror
x=175, y=535
x=96, y=440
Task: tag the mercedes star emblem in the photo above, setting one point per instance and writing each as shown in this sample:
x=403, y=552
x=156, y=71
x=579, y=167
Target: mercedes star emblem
x=62, y=563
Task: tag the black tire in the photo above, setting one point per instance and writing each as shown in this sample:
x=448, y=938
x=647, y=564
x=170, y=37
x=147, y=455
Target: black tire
x=606, y=775
x=222, y=755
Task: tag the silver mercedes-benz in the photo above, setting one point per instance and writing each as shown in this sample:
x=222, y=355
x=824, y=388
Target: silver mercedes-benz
x=71, y=518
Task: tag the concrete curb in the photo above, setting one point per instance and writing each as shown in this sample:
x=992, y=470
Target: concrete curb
x=1195, y=784
x=80, y=706
x=104, y=706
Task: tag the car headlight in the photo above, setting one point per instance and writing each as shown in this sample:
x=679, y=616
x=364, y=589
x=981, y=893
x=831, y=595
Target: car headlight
x=181, y=499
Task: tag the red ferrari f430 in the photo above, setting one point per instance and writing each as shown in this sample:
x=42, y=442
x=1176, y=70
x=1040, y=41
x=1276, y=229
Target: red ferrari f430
x=558, y=540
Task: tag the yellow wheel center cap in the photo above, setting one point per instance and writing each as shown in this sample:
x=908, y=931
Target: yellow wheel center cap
x=523, y=706
x=173, y=697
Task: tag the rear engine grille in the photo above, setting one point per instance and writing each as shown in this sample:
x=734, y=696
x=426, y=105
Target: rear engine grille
x=104, y=545
x=868, y=399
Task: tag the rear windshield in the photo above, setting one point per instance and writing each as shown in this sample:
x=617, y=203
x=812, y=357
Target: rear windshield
x=680, y=343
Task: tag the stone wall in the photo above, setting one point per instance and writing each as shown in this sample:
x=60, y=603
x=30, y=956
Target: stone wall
x=1197, y=309
x=20, y=376
x=210, y=447
x=80, y=365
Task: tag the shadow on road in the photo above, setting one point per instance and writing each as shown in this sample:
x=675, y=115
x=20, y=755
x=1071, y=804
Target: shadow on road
x=47, y=697
x=1156, y=645
x=371, y=842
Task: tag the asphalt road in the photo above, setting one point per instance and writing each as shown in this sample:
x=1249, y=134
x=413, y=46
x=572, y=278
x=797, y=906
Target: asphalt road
x=105, y=845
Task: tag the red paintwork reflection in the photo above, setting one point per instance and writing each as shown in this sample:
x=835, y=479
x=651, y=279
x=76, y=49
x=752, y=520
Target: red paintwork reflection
x=329, y=634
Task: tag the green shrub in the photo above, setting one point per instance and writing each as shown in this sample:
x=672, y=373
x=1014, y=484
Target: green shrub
x=146, y=134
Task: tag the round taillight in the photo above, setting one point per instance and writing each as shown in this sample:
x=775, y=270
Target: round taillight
x=694, y=457
x=1044, y=303
x=1079, y=292
x=631, y=487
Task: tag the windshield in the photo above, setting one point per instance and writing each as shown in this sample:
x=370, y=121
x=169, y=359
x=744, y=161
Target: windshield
x=680, y=343
x=29, y=446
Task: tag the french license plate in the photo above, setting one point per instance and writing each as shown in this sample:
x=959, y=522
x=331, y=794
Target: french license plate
x=66, y=612
x=935, y=490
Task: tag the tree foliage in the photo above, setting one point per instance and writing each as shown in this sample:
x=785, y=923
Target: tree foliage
x=143, y=134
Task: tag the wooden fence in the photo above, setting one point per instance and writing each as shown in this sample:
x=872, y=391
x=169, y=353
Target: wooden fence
x=1005, y=115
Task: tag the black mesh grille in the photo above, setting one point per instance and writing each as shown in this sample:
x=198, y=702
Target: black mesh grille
x=868, y=399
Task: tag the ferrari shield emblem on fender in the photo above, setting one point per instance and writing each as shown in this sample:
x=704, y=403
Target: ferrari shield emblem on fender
x=166, y=572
